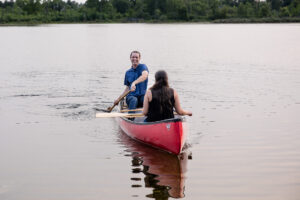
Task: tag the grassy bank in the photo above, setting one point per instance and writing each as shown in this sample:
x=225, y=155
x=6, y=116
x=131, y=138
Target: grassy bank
x=220, y=21
x=259, y=20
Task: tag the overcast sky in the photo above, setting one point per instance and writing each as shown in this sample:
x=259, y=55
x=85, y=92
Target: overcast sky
x=79, y=1
x=83, y=1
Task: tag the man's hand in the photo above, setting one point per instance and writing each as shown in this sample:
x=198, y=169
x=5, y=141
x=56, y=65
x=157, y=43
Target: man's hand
x=142, y=78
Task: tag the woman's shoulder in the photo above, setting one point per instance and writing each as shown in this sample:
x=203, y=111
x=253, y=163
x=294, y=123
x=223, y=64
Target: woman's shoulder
x=149, y=94
x=172, y=90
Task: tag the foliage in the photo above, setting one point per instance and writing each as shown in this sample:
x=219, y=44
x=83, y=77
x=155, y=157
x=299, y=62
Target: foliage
x=53, y=11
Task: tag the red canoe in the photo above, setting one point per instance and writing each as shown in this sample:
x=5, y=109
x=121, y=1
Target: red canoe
x=168, y=135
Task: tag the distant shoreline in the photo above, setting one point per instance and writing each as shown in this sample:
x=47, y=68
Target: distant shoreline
x=36, y=12
x=217, y=21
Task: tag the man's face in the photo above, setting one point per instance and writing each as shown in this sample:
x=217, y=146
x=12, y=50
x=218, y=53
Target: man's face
x=135, y=59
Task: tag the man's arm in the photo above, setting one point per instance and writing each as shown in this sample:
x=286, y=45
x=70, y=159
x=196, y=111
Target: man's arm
x=178, y=108
x=140, y=79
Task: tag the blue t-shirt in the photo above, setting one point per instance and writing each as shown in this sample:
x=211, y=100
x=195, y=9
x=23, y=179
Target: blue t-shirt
x=133, y=74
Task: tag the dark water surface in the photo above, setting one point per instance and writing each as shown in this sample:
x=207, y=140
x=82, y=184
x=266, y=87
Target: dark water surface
x=242, y=83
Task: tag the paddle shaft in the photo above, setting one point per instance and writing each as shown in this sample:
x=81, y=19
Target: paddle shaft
x=127, y=110
x=122, y=97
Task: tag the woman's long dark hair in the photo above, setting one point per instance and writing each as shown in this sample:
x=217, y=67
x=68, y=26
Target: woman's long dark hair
x=161, y=80
x=161, y=85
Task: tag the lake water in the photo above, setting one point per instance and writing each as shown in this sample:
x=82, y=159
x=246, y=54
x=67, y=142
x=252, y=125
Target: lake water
x=242, y=83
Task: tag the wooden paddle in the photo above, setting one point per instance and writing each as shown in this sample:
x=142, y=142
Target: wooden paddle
x=126, y=110
x=109, y=109
x=117, y=114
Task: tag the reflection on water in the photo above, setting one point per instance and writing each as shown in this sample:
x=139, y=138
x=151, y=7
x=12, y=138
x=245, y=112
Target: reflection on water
x=164, y=172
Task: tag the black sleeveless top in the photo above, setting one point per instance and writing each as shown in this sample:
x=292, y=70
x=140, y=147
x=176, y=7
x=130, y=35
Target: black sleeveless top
x=159, y=110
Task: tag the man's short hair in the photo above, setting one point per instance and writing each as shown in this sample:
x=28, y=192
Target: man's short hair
x=135, y=52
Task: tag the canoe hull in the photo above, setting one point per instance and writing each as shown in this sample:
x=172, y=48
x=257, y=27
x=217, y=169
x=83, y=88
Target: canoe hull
x=168, y=135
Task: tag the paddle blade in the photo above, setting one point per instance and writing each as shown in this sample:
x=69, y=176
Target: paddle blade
x=103, y=110
x=109, y=109
x=105, y=115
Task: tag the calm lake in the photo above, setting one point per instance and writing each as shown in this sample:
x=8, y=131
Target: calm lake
x=242, y=83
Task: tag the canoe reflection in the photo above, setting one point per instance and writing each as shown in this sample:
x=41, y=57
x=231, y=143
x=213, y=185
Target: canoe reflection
x=163, y=171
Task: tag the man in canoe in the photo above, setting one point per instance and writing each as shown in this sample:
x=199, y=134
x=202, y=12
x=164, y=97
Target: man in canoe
x=136, y=80
x=160, y=100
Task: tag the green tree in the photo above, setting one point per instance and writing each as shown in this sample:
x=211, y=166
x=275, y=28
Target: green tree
x=245, y=10
x=30, y=6
x=264, y=9
x=54, y=5
x=176, y=10
x=197, y=9
x=226, y=12
x=92, y=4
x=8, y=4
x=213, y=7
x=295, y=8
x=121, y=5
x=73, y=4
x=153, y=5
x=275, y=4
x=286, y=2
x=284, y=12
x=140, y=9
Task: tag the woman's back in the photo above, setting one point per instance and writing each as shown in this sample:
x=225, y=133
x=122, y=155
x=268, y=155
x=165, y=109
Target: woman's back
x=160, y=100
x=162, y=104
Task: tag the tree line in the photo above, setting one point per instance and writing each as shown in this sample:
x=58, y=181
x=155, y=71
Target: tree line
x=59, y=11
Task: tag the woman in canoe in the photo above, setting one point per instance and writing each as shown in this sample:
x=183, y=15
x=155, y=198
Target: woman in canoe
x=160, y=100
